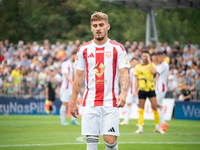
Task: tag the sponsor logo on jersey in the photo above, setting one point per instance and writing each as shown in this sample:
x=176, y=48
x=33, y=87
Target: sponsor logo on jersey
x=99, y=81
x=108, y=54
x=100, y=51
x=99, y=69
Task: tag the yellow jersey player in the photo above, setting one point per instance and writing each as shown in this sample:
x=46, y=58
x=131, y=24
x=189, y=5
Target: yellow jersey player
x=144, y=81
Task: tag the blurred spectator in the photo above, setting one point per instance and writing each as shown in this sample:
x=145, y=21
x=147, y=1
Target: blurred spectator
x=6, y=44
x=25, y=61
x=166, y=48
x=176, y=49
x=185, y=93
x=12, y=49
x=189, y=47
x=185, y=54
x=127, y=46
x=172, y=87
x=16, y=79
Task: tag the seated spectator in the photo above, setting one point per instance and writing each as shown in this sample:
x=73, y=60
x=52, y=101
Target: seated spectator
x=6, y=44
x=9, y=58
x=189, y=47
x=197, y=51
x=193, y=89
x=197, y=83
x=166, y=58
x=6, y=87
x=176, y=49
x=166, y=48
x=12, y=49
x=185, y=54
x=25, y=61
x=185, y=93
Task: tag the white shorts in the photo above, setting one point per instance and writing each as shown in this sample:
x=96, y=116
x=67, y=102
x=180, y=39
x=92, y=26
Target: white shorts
x=100, y=120
x=132, y=99
x=160, y=97
x=65, y=94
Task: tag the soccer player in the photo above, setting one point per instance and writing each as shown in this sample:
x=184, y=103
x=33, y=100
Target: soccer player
x=162, y=70
x=102, y=59
x=144, y=81
x=68, y=73
x=130, y=99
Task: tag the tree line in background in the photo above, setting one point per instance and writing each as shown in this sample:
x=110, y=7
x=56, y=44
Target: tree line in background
x=65, y=20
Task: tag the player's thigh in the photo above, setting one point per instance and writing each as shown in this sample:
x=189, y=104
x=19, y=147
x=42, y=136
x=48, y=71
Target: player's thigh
x=160, y=97
x=110, y=121
x=152, y=99
x=65, y=95
x=90, y=124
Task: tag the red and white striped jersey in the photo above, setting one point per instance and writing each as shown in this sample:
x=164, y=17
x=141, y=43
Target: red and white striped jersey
x=102, y=64
x=161, y=76
x=131, y=89
x=69, y=68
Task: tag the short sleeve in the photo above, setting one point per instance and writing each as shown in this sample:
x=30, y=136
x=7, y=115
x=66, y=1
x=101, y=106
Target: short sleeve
x=80, y=61
x=136, y=73
x=160, y=69
x=65, y=67
x=123, y=61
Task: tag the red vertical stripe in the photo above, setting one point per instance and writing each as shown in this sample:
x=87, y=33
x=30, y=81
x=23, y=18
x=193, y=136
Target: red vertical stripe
x=114, y=75
x=87, y=72
x=99, y=93
x=163, y=87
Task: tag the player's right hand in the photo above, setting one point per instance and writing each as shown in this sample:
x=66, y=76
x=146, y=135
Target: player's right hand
x=74, y=110
x=135, y=94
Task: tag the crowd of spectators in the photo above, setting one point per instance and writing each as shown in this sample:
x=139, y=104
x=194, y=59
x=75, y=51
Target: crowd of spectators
x=26, y=68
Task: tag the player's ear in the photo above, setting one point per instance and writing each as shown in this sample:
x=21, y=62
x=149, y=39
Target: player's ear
x=108, y=26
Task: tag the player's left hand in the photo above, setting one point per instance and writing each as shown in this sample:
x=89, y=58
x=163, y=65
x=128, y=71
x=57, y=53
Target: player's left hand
x=121, y=101
x=74, y=110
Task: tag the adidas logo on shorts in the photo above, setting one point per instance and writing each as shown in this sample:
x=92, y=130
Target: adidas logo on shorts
x=111, y=130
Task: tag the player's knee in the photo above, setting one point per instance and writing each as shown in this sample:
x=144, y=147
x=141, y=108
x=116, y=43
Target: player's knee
x=110, y=141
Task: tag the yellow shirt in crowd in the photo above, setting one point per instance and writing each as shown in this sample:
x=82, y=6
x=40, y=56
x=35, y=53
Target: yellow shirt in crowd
x=167, y=60
x=16, y=76
x=145, y=77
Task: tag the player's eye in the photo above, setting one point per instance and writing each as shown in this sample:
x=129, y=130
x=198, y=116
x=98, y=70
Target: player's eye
x=94, y=25
x=101, y=25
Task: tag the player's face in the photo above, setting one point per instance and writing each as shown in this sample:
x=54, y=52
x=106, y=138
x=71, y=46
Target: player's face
x=99, y=29
x=73, y=57
x=135, y=62
x=144, y=58
x=160, y=58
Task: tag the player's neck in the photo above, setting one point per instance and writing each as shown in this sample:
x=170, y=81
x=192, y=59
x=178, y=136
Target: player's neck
x=101, y=42
x=71, y=60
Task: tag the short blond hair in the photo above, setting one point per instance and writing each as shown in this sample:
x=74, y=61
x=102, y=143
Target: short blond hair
x=99, y=16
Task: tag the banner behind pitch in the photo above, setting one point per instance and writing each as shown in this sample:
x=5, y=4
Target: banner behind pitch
x=187, y=110
x=26, y=107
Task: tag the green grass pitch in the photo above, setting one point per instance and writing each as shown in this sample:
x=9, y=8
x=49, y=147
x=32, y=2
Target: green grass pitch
x=46, y=133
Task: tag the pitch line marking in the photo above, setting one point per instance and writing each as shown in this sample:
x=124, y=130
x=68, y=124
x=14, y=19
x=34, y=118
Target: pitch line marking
x=156, y=134
x=24, y=145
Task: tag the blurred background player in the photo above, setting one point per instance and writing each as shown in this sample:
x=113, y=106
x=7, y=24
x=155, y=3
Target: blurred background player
x=50, y=91
x=130, y=99
x=68, y=73
x=162, y=70
x=144, y=81
x=103, y=60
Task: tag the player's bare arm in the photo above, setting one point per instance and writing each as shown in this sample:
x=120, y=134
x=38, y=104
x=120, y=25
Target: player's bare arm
x=153, y=70
x=76, y=89
x=135, y=94
x=68, y=78
x=121, y=100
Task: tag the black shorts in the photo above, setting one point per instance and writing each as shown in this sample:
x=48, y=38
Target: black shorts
x=52, y=97
x=145, y=94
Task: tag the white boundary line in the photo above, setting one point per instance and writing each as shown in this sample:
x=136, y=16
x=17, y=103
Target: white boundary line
x=158, y=133
x=24, y=145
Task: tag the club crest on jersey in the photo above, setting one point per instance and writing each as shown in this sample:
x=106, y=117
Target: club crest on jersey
x=99, y=69
x=108, y=54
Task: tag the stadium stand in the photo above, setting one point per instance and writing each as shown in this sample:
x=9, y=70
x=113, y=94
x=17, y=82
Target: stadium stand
x=25, y=68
